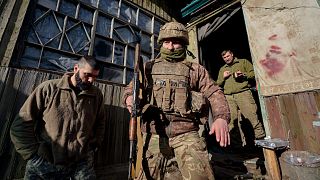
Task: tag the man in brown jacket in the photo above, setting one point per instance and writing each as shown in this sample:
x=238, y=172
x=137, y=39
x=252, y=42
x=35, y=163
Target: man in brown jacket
x=61, y=124
x=172, y=146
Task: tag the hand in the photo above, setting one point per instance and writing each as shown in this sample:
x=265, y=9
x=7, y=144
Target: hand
x=226, y=74
x=238, y=74
x=129, y=103
x=220, y=127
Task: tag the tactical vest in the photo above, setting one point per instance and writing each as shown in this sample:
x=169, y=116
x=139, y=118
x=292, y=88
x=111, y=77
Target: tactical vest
x=170, y=87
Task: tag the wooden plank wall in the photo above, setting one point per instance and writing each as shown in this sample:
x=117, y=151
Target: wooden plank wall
x=295, y=113
x=17, y=84
x=159, y=7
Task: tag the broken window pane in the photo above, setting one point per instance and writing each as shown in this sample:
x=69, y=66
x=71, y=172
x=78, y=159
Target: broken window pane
x=78, y=37
x=68, y=8
x=30, y=57
x=112, y=74
x=118, y=54
x=86, y=15
x=124, y=33
x=51, y=4
x=146, y=42
x=109, y=6
x=128, y=13
x=102, y=49
x=57, y=61
x=130, y=57
x=145, y=22
x=47, y=28
x=103, y=26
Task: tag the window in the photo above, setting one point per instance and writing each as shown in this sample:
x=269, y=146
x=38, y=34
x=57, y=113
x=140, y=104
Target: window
x=63, y=30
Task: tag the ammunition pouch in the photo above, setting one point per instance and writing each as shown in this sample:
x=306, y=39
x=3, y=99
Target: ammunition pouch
x=199, y=110
x=171, y=93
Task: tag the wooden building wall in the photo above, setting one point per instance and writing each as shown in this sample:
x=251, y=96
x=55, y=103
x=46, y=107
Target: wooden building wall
x=17, y=84
x=164, y=9
x=291, y=116
x=290, y=101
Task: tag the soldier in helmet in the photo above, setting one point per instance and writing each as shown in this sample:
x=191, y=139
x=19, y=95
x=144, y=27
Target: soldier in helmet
x=175, y=92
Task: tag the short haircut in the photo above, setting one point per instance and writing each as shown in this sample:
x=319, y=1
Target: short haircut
x=225, y=52
x=89, y=60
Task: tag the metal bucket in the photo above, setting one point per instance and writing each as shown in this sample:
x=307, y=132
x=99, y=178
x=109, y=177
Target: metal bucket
x=300, y=165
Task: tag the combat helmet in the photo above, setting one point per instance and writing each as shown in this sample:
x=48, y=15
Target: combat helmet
x=173, y=30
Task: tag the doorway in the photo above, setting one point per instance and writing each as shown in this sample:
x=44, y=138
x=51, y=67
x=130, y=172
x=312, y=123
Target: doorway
x=230, y=34
x=227, y=31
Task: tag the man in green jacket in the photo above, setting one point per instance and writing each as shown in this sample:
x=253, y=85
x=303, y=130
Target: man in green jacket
x=234, y=78
x=61, y=124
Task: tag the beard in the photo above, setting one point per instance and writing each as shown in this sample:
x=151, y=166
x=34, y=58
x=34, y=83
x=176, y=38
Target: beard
x=80, y=84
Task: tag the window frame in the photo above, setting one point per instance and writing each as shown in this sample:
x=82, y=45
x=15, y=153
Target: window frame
x=125, y=67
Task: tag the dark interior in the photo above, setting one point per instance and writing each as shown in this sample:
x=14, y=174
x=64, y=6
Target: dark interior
x=231, y=35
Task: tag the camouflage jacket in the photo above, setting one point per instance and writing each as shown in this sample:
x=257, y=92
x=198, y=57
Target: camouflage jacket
x=200, y=81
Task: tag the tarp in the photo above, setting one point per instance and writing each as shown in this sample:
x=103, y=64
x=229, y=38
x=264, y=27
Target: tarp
x=210, y=27
x=284, y=40
x=205, y=30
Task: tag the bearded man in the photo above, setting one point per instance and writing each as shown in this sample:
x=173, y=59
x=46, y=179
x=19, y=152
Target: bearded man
x=61, y=125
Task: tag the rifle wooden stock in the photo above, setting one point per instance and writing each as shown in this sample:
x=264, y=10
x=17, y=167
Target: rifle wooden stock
x=134, y=114
x=132, y=139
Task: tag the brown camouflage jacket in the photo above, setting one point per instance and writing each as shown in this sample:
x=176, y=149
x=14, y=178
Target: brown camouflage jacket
x=200, y=81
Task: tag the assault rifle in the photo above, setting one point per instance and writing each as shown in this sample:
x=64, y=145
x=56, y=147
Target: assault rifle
x=134, y=125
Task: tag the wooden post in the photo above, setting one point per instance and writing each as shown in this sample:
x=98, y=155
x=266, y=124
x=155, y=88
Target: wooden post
x=272, y=163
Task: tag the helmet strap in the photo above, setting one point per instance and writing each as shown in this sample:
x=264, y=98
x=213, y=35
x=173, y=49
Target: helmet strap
x=190, y=54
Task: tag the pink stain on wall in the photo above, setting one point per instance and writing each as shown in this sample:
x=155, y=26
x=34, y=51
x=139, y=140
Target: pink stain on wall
x=277, y=58
x=275, y=49
x=273, y=37
x=271, y=63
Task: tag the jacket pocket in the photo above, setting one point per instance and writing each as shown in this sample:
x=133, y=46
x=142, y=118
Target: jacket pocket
x=158, y=93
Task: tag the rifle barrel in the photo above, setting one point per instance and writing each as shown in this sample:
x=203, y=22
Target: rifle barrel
x=135, y=110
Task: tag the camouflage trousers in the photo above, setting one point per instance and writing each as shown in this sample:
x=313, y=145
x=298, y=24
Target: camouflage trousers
x=248, y=108
x=182, y=157
x=39, y=168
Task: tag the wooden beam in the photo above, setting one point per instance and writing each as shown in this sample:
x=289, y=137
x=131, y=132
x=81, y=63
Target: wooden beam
x=272, y=164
